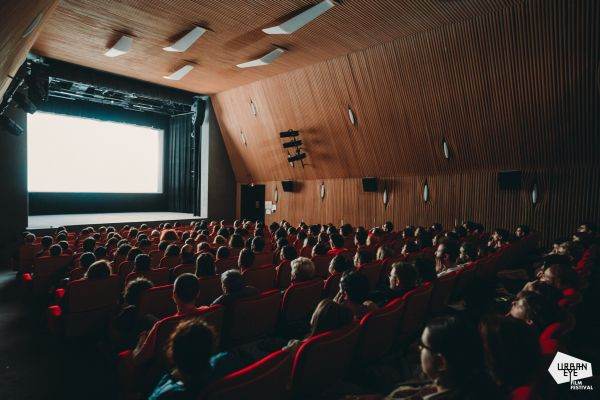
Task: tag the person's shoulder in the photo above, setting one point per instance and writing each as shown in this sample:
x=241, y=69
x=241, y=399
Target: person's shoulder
x=168, y=388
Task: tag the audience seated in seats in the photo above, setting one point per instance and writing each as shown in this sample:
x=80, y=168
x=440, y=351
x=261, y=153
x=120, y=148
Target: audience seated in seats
x=236, y=244
x=169, y=236
x=425, y=267
x=129, y=324
x=467, y=253
x=336, y=242
x=452, y=358
x=354, y=293
x=499, y=238
x=46, y=242
x=121, y=255
x=384, y=253
x=261, y=257
x=403, y=279
x=64, y=245
x=522, y=231
x=445, y=255
x=85, y=260
x=101, y=252
x=185, y=291
x=205, y=265
x=234, y=288
x=186, y=254
x=535, y=309
x=98, y=270
x=88, y=245
x=302, y=270
x=362, y=257
x=288, y=254
x=307, y=248
x=55, y=250
x=191, y=351
x=171, y=257
x=340, y=264
x=224, y=261
x=245, y=260
x=565, y=279
x=512, y=355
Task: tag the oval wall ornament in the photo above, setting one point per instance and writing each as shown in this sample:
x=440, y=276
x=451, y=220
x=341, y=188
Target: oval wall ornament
x=534, y=194
x=276, y=195
x=426, y=192
x=322, y=190
x=385, y=197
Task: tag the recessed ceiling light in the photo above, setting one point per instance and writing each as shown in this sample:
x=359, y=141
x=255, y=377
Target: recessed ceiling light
x=180, y=73
x=264, y=60
x=297, y=22
x=120, y=48
x=186, y=41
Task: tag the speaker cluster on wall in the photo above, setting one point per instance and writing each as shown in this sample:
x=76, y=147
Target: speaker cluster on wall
x=293, y=143
x=369, y=184
x=510, y=180
x=287, y=186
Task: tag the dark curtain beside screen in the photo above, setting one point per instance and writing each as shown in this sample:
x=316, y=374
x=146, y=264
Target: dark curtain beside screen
x=183, y=161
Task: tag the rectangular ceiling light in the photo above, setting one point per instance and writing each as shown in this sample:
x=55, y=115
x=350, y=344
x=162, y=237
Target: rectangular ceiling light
x=297, y=22
x=120, y=48
x=185, y=42
x=180, y=73
x=264, y=60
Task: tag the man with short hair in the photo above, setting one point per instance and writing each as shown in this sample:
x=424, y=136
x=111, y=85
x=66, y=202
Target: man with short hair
x=234, y=288
x=337, y=244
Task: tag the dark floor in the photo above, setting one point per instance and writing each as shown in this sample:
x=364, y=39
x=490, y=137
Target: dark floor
x=33, y=365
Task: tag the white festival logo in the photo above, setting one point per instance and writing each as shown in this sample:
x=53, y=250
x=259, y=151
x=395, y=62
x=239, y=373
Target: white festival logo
x=565, y=368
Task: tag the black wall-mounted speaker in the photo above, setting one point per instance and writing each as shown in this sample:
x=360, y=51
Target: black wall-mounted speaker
x=369, y=184
x=288, y=186
x=510, y=180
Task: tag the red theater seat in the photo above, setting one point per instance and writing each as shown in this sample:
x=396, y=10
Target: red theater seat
x=124, y=269
x=379, y=330
x=210, y=289
x=264, y=258
x=299, y=302
x=415, y=311
x=442, y=290
x=283, y=275
x=89, y=304
x=253, y=318
x=169, y=262
x=332, y=286
x=183, y=269
x=158, y=277
x=322, y=360
x=372, y=271
x=158, y=301
x=266, y=379
x=155, y=257
x=224, y=265
x=46, y=270
x=27, y=254
x=322, y=265
x=262, y=278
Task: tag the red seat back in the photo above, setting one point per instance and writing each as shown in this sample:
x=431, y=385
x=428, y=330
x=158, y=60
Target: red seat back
x=155, y=257
x=372, y=271
x=266, y=379
x=332, y=285
x=300, y=301
x=322, y=360
x=46, y=270
x=262, y=278
x=158, y=301
x=417, y=303
x=210, y=289
x=27, y=254
x=264, y=258
x=442, y=290
x=183, y=269
x=379, y=330
x=253, y=318
x=464, y=277
x=224, y=265
x=90, y=305
x=158, y=277
x=283, y=276
x=322, y=265
x=124, y=269
x=170, y=262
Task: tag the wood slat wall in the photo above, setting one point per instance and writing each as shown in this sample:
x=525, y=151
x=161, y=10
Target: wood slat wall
x=15, y=17
x=566, y=198
x=515, y=89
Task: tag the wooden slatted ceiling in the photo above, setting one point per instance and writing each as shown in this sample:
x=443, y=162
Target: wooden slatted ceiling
x=567, y=197
x=515, y=89
x=80, y=31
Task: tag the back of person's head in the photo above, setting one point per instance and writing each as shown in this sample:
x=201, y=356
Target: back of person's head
x=346, y=230
x=362, y=257
x=384, y=252
x=340, y=264
x=134, y=289
x=144, y=244
x=123, y=249
x=223, y=253
x=512, y=351
x=328, y=316
x=172, y=250
x=55, y=250
x=61, y=236
x=232, y=281
x=355, y=286
x=258, y=244
x=142, y=263
x=98, y=270
x=336, y=240
x=100, y=252
x=133, y=253
x=410, y=247
x=310, y=242
x=403, y=275
x=86, y=259
x=47, y=241
x=89, y=244
x=187, y=254
x=245, y=259
x=205, y=265
x=560, y=276
x=236, y=241
x=452, y=355
x=64, y=245
x=319, y=249
x=190, y=348
x=314, y=230
x=289, y=253
x=186, y=288
x=169, y=235
x=546, y=290
x=29, y=237
x=360, y=238
x=425, y=267
x=303, y=269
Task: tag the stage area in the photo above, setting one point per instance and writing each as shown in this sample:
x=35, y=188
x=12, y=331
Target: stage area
x=41, y=222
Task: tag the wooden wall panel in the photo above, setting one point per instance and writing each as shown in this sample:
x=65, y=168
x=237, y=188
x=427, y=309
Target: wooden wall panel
x=566, y=198
x=513, y=89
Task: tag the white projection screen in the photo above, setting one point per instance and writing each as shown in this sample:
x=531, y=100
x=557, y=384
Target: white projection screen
x=79, y=155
